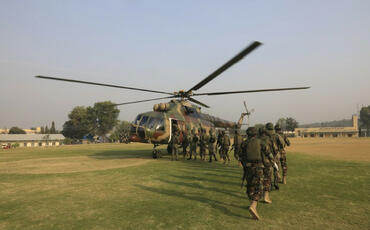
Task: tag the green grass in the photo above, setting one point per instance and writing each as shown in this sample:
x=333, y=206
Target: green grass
x=320, y=194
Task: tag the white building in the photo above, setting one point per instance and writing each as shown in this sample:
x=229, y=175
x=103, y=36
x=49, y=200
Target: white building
x=32, y=140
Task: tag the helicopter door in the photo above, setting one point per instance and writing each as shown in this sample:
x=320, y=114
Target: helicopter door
x=180, y=125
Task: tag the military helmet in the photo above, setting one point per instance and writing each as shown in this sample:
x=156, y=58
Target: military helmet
x=269, y=126
x=261, y=131
x=252, y=131
x=277, y=127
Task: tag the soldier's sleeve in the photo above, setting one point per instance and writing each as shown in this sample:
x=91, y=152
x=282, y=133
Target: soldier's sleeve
x=266, y=150
x=287, y=142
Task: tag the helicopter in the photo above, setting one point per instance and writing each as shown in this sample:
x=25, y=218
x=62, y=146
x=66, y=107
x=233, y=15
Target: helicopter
x=182, y=112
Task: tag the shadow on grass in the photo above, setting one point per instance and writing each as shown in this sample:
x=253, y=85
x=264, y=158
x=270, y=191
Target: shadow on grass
x=207, y=188
x=195, y=197
x=122, y=154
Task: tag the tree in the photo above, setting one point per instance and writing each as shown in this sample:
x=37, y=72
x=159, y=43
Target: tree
x=121, y=132
x=105, y=115
x=258, y=126
x=365, y=118
x=282, y=123
x=79, y=123
x=47, y=131
x=16, y=130
x=42, y=130
x=52, y=129
x=291, y=124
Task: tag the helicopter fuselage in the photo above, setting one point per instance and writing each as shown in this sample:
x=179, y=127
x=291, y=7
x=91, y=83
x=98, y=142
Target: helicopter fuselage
x=156, y=126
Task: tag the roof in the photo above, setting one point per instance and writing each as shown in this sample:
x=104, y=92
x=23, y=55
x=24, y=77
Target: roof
x=31, y=137
x=327, y=130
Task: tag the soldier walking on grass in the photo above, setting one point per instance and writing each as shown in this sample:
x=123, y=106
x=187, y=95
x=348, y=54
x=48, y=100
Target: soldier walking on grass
x=237, y=143
x=212, y=145
x=202, y=143
x=193, y=144
x=225, y=145
x=283, y=160
x=185, y=142
x=277, y=145
x=267, y=163
x=253, y=153
x=175, y=144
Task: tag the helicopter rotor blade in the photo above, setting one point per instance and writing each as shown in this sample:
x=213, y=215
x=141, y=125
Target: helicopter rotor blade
x=198, y=102
x=133, y=102
x=249, y=91
x=245, y=106
x=101, y=84
x=227, y=65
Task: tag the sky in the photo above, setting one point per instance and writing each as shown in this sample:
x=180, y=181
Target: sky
x=173, y=45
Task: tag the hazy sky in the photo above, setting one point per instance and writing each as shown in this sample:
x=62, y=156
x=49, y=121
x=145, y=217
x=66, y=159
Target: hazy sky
x=172, y=45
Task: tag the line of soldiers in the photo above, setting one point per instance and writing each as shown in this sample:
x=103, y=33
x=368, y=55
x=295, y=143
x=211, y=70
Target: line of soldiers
x=202, y=140
x=260, y=155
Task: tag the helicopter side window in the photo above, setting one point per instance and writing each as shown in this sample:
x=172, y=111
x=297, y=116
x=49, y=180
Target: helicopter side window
x=144, y=120
x=152, y=122
x=160, y=126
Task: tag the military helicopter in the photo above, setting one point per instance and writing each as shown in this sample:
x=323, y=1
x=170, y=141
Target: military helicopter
x=157, y=126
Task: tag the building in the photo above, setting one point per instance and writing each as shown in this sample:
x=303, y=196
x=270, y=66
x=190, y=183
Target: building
x=32, y=140
x=330, y=131
x=28, y=131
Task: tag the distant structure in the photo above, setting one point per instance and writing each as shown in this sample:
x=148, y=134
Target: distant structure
x=28, y=131
x=330, y=131
x=32, y=140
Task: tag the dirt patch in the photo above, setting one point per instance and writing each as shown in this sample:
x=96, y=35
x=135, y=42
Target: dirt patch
x=67, y=165
x=349, y=149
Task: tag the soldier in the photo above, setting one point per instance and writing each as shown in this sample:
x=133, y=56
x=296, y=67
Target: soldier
x=218, y=144
x=277, y=144
x=212, y=145
x=225, y=145
x=267, y=163
x=285, y=143
x=202, y=143
x=253, y=153
x=175, y=143
x=185, y=142
x=237, y=143
x=193, y=144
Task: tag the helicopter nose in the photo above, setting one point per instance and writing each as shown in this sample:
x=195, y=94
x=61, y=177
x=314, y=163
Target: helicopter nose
x=137, y=133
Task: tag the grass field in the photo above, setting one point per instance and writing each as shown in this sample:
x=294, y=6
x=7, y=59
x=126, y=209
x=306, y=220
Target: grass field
x=118, y=186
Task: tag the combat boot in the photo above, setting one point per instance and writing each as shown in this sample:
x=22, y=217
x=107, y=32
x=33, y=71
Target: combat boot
x=266, y=197
x=253, y=210
x=284, y=179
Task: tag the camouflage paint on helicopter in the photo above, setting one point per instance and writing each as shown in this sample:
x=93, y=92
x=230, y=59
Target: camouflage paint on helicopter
x=156, y=126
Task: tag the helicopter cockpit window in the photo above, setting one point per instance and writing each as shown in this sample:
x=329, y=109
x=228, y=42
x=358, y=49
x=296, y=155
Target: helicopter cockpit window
x=152, y=122
x=137, y=120
x=143, y=120
x=160, y=125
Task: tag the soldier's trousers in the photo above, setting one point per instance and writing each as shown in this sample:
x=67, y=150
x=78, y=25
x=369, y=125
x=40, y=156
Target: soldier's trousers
x=211, y=153
x=267, y=176
x=174, y=152
x=283, y=163
x=202, y=152
x=254, y=181
x=225, y=153
x=193, y=150
x=185, y=150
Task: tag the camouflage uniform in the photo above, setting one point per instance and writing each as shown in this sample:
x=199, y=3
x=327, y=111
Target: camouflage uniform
x=237, y=144
x=285, y=143
x=218, y=144
x=185, y=143
x=253, y=152
x=225, y=145
x=193, y=144
x=202, y=144
x=211, y=145
x=175, y=144
x=276, y=146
